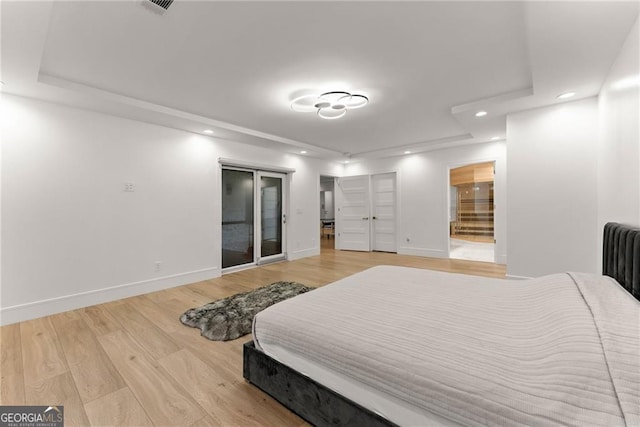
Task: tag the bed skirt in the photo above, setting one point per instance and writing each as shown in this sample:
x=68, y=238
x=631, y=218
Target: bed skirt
x=310, y=400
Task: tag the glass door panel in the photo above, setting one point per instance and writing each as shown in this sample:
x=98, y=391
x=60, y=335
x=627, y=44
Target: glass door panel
x=271, y=215
x=237, y=217
x=471, y=226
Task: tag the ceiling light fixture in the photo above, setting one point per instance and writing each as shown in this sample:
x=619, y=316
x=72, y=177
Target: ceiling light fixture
x=407, y=152
x=495, y=138
x=303, y=152
x=207, y=131
x=329, y=105
x=481, y=113
x=566, y=95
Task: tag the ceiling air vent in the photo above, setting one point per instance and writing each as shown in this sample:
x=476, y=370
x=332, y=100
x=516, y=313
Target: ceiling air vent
x=162, y=3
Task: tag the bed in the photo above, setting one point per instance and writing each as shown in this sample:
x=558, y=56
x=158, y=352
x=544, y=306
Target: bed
x=403, y=346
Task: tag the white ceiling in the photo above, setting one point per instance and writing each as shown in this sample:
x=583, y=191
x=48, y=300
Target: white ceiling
x=234, y=67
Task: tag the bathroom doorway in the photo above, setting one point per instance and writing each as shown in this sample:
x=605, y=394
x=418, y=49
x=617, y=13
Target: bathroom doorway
x=471, y=217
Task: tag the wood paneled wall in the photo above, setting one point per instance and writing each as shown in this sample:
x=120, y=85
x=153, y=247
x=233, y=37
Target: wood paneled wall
x=479, y=172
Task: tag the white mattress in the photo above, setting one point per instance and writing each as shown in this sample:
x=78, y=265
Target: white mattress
x=424, y=348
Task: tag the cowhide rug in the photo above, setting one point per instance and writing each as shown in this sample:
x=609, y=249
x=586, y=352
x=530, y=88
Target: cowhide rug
x=231, y=317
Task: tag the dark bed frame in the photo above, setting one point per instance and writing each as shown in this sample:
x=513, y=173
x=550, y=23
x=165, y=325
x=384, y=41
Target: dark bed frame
x=322, y=406
x=621, y=256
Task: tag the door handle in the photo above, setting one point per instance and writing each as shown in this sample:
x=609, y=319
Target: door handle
x=365, y=218
x=284, y=218
x=375, y=217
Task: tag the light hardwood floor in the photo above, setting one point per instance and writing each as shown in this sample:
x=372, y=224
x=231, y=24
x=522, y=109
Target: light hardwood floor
x=131, y=362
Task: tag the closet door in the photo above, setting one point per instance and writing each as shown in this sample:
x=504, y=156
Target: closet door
x=352, y=216
x=383, y=215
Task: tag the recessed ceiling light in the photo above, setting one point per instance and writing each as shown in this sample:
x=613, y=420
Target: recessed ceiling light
x=481, y=113
x=626, y=83
x=207, y=131
x=346, y=161
x=566, y=95
x=303, y=152
x=495, y=138
x=407, y=152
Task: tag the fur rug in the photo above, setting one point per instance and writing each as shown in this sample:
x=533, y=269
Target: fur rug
x=232, y=317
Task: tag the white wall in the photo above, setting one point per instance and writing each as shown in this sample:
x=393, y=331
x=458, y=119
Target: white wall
x=551, y=189
x=619, y=144
x=572, y=168
x=423, y=193
x=72, y=237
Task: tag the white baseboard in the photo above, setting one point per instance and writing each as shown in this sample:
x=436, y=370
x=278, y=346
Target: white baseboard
x=304, y=253
x=431, y=253
x=35, y=309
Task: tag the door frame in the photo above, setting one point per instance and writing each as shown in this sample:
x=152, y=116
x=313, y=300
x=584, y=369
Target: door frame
x=447, y=182
x=260, y=260
x=257, y=241
x=335, y=208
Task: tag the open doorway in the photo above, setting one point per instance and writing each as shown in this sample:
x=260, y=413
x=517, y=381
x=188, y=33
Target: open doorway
x=471, y=219
x=327, y=212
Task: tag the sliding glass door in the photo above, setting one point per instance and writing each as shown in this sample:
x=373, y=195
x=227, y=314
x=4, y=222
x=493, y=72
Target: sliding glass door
x=272, y=216
x=238, y=217
x=253, y=217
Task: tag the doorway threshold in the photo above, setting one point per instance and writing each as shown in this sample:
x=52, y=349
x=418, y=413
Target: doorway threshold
x=237, y=268
x=472, y=251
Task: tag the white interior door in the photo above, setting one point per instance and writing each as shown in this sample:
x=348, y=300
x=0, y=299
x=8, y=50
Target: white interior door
x=383, y=219
x=352, y=216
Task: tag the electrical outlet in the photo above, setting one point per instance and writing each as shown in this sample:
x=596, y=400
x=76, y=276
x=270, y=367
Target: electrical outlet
x=129, y=187
x=157, y=264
